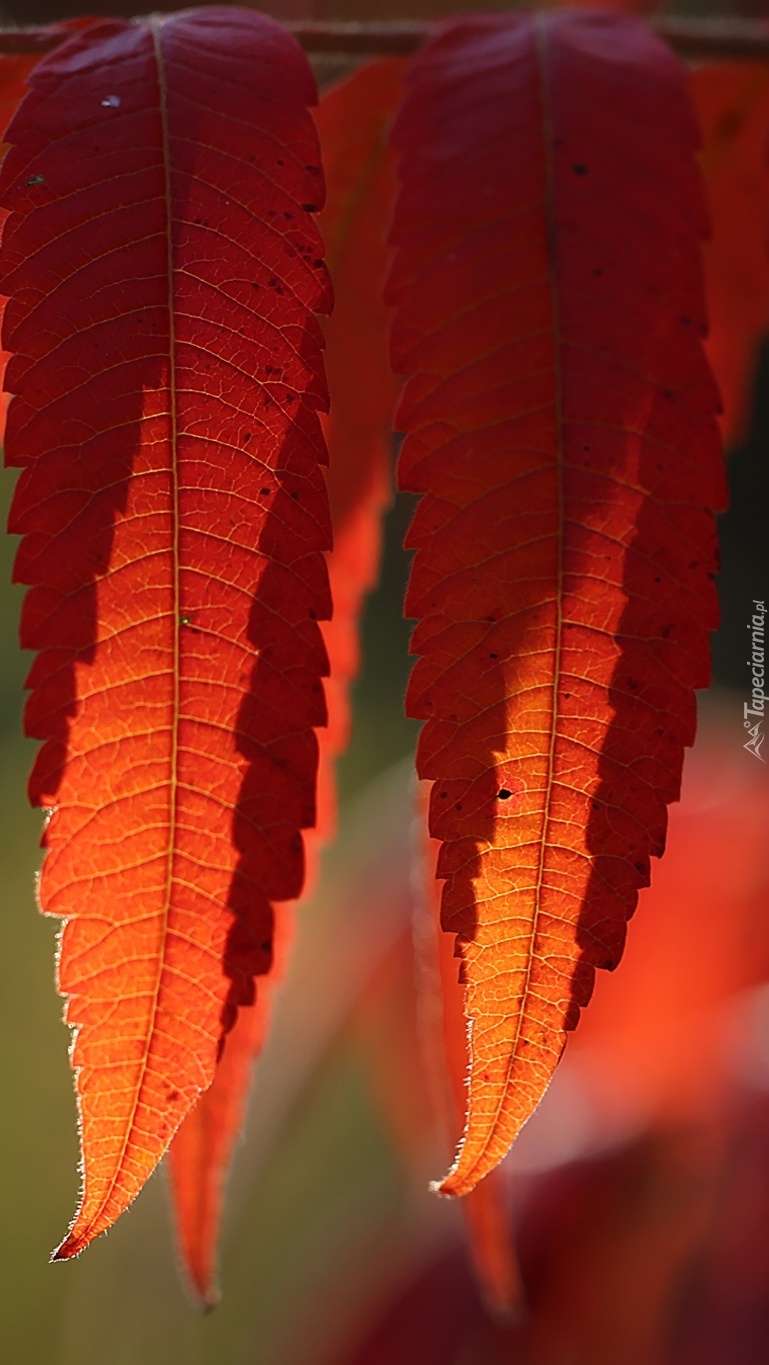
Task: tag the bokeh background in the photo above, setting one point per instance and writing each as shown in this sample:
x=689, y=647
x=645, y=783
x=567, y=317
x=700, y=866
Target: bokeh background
x=640, y=1190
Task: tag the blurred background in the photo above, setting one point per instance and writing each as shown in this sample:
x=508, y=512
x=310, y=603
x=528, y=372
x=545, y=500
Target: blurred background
x=639, y=1192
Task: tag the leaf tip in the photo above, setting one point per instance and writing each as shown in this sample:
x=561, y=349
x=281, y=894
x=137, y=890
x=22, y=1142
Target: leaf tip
x=451, y=1187
x=69, y=1248
x=204, y=1293
x=208, y=1300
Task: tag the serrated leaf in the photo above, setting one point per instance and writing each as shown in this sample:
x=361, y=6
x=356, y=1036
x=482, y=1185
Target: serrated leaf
x=13, y=74
x=163, y=265
x=352, y=121
x=560, y=422
x=486, y=1209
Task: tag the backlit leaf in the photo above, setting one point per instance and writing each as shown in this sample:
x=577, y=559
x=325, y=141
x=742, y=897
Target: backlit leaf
x=163, y=265
x=486, y=1209
x=732, y=101
x=352, y=121
x=560, y=422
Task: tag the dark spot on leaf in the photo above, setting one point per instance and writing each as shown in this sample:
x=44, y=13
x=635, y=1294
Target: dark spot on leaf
x=310, y=208
x=579, y=169
x=504, y=794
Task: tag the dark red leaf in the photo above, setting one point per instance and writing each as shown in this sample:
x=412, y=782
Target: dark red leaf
x=560, y=422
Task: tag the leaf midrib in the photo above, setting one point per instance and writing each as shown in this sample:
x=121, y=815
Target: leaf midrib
x=540, y=25
x=155, y=26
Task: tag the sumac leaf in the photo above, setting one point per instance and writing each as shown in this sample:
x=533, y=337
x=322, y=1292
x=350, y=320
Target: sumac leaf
x=352, y=121
x=13, y=73
x=560, y=422
x=732, y=102
x=486, y=1209
x=163, y=265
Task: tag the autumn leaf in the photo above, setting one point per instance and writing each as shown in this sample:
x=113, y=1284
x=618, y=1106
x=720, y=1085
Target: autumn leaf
x=163, y=264
x=201, y=1150
x=560, y=424
x=486, y=1209
x=654, y=1040
x=352, y=121
x=13, y=74
x=732, y=103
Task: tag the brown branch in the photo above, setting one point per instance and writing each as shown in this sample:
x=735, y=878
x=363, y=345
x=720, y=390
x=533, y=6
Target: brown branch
x=30, y=41
x=744, y=39
x=696, y=38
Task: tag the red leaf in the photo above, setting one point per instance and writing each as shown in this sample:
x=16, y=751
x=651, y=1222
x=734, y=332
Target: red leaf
x=732, y=100
x=653, y=1039
x=352, y=120
x=486, y=1208
x=167, y=371
x=201, y=1150
x=560, y=423
x=13, y=74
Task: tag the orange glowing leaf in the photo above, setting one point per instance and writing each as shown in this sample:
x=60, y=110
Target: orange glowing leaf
x=560, y=424
x=167, y=374
x=352, y=121
x=486, y=1208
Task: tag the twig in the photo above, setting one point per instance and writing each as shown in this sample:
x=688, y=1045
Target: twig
x=741, y=39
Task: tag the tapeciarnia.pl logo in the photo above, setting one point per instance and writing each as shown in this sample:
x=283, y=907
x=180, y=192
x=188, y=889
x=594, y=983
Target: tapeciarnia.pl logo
x=753, y=711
